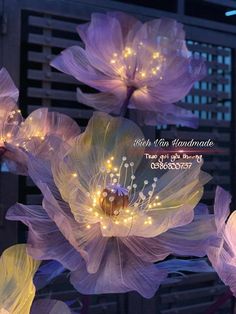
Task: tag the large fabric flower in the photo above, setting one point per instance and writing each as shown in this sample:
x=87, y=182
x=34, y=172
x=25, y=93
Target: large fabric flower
x=32, y=134
x=146, y=66
x=17, y=290
x=105, y=214
x=10, y=116
x=222, y=251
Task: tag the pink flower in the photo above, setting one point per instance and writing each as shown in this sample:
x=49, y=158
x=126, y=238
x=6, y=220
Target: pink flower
x=146, y=66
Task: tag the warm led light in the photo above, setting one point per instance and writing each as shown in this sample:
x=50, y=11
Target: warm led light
x=127, y=52
x=74, y=175
x=156, y=55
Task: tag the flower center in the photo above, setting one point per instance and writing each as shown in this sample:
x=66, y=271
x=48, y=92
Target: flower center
x=114, y=198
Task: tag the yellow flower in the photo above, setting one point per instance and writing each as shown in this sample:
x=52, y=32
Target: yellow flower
x=17, y=290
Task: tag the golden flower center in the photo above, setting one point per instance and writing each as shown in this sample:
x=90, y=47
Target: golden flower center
x=112, y=201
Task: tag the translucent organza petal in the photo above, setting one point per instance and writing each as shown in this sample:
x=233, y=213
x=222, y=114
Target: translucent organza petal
x=105, y=102
x=10, y=119
x=41, y=123
x=8, y=88
x=74, y=61
x=175, y=116
x=120, y=271
x=177, y=193
x=15, y=159
x=222, y=251
x=103, y=39
x=49, y=306
x=221, y=207
x=176, y=265
x=105, y=137
x=47, y=273
x=16, y=286
x=190, y=240
x=45, y=241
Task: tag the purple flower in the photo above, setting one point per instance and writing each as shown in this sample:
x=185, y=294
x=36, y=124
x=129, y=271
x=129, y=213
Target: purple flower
x=9, y=112
x=18, y=136
x=145, y=65
x=222, y=251
x=106, y=216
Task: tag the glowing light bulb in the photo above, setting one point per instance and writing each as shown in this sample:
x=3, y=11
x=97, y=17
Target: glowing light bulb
x=156, y=55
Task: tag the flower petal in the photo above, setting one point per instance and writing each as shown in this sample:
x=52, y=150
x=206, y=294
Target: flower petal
x=45, y=241
x=105, y=102
x=41, y=123
x=47, y=273
x=103, y=39
x=119, y=272
x=74, y=61
x=8, y=88
x=50, y=307
x=176, y=265
x=105, y=137
x=176, y=116
x=192, y=239
x=221, y=207
x=16, y=286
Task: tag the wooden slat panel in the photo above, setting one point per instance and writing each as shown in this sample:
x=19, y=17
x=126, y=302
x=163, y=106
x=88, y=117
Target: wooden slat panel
x=39, y=93
x=52, y=41
x=51, y=77
x=50, y=23
x=214, y=107
x=51, y=94
x=223, y=137
x=193, y=309
x=209, y=93
x=72, y=112
x=194, y=294
x=208, y=49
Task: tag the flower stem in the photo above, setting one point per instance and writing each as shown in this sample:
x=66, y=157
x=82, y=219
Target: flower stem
x=124, y=107
x=219, y=302
x=85, y=303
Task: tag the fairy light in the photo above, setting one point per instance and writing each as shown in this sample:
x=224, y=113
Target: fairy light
x=74, y=175
x=118, y=198
x=143, y=74
x=127, y=52
x=156, y=55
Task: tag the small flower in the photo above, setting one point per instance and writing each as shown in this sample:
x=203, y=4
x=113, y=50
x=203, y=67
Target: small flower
x=108, y=233
x=146, y=66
